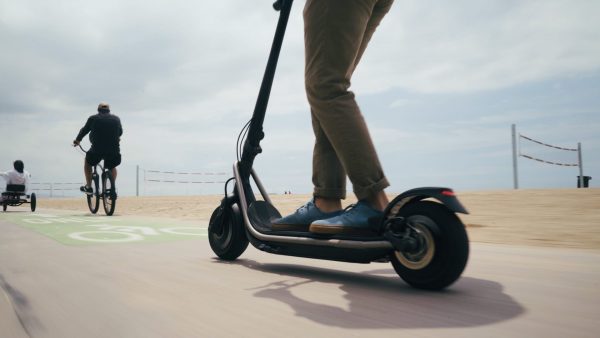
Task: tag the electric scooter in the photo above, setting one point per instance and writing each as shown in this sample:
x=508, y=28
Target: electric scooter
x=419, y=233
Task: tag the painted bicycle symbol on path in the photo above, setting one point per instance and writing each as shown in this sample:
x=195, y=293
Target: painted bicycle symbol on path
x=106, y=233
x=77, y=229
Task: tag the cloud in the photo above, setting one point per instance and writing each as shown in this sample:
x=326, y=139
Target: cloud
x=183, y=76
x=468, y=46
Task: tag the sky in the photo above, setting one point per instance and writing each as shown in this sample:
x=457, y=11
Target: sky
x=440, y=86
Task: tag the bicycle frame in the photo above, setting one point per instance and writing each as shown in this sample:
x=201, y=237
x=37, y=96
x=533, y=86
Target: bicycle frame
x=101, y=193
x=94, y=172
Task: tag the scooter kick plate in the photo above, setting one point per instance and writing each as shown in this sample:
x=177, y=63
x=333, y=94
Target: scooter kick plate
x=261, y=214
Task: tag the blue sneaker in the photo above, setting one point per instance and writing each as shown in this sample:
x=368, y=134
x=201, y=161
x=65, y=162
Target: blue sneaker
x=353, y=221
x=302, y=218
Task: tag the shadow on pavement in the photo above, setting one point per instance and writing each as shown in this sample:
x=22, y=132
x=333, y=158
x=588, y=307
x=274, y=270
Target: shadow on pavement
x=380, y=299
x=20, y=304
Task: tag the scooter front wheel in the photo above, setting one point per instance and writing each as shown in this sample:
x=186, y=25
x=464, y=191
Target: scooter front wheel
x=442, y=251
x=226, y=233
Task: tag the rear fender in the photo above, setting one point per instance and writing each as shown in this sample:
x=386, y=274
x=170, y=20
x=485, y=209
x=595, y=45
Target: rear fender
x=444, y=195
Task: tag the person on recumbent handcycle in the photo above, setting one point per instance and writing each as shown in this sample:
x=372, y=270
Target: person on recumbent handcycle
x=105, y=134
x=18, y=176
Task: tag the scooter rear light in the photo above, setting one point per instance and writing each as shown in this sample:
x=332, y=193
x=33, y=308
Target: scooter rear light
x=448, y=193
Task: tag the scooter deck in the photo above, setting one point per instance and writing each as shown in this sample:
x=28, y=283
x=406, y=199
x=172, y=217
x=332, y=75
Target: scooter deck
x=353, y=255
x=374, y=237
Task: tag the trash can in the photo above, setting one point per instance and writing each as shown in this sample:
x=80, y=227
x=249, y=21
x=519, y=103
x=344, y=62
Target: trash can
x=586, y=181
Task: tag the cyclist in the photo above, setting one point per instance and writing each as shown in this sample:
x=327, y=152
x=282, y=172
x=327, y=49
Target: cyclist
x=105, y=134
x=18, y=176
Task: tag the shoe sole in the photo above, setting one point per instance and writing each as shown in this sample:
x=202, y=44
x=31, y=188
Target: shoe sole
x=289, y=227
x=339, y=230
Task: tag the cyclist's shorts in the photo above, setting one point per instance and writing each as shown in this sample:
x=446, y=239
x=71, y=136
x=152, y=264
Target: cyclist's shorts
x=110, y=160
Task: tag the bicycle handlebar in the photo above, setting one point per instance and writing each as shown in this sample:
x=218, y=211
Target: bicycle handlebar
x=80, y=147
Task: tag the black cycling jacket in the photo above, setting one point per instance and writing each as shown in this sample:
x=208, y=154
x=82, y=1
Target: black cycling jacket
x=105, y=131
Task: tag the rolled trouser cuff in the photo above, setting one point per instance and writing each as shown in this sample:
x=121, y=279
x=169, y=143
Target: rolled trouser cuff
x=330, y=193
x=364, y=192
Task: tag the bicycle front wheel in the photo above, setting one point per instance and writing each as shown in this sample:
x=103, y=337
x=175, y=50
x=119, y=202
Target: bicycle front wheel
x=93, y=200
x=109, y=193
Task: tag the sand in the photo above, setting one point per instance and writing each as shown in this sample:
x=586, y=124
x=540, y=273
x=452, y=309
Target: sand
x=568, y=218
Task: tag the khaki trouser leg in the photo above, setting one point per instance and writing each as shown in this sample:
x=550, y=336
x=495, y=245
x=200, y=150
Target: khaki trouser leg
x=337, y=33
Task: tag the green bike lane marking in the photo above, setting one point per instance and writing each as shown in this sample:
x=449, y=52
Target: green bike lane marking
x=72, y=228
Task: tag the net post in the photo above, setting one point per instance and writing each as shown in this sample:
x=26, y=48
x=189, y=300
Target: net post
x=514, y=151
x=137, y=180
x=580, y=164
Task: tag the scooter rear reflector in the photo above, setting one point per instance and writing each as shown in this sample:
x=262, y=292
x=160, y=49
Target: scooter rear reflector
x=448, y=193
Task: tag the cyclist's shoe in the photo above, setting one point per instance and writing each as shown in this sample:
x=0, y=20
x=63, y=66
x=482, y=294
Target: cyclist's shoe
x=353, y=221
x=86, y=189
x=112, y=194
x=302, y=218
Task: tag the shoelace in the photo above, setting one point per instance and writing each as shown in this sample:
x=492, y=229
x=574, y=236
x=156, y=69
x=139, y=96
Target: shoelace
x=350, y=207
x=303, y=208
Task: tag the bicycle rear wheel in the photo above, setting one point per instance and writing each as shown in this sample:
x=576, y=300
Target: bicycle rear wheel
x=93, y=200
x=109, y=193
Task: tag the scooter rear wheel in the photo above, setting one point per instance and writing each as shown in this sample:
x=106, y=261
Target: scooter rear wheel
x=226, y=233
x=443, y=249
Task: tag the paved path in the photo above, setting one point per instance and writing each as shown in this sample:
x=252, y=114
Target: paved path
x=168, y=284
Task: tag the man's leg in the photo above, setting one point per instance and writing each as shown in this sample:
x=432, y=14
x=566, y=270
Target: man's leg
x=382, y=7
x=87, y=170
x=112, y=161
x=377, y=199
x=336, y=32
x=330, y=184
x=92, y=158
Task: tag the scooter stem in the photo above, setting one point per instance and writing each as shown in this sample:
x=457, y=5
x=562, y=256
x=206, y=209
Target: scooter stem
x=255, y=133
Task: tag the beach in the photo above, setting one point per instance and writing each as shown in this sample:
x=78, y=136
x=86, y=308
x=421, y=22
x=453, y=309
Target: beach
x=568, y=218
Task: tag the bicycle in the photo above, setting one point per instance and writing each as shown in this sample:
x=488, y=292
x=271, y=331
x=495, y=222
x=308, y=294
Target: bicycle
x=108, y=194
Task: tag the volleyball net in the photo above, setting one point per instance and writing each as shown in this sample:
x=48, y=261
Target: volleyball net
x=572, y=152
x=545, y=153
